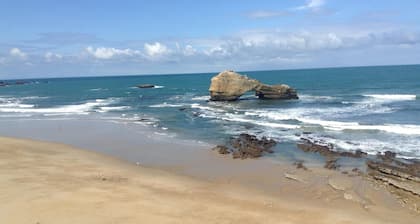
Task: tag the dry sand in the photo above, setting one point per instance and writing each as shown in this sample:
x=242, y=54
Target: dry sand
x=43, y=182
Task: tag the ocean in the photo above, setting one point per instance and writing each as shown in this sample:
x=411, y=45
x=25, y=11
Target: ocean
x=373, y=109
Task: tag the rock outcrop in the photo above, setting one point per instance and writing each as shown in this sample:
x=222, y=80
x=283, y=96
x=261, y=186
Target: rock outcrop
x=229, y=86
x=403, y=176
x=275, y=92
x=246, y=146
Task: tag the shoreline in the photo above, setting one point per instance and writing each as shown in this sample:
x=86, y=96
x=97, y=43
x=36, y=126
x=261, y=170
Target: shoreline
x=50, y=182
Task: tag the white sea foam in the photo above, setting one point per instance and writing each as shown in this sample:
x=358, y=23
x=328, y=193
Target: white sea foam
x=340, y=126
x=16, y=105
x=316, y=98
x=406, y=147
x=206, y=108
x=166, y=105
x=242, y=118
x=98, y=89
x=391, y=97
x=302, y=116
x=116, y=108
x=200, y=98
x=58, y=110
x=159, y=87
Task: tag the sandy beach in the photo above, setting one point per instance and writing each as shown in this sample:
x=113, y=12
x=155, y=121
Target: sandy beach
x=45, y=182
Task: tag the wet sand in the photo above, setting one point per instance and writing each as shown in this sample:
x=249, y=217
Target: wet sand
x=43, y=182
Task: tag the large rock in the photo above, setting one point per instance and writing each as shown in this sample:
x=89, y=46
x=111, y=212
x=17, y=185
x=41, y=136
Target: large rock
x=275, y=92
x=229, y=85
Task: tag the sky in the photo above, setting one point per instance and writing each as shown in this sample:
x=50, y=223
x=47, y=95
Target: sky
x=49, y=38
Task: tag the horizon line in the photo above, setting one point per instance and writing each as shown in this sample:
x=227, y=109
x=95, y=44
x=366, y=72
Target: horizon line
x=201, y=73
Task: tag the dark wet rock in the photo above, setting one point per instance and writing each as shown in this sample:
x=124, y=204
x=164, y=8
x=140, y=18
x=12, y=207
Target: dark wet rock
x=182, y=108
x=327, y=150
x=21, y=82
x=196, y=114
x=145, y=86
x=299, y=165
x=387, y=156
x=221, y=149
x=307, y=145
x=331, y=163
x=143, y=120
x=247, y=146
x=357, y=154
x=357, y=171
x=401, y=175
x=229, y=86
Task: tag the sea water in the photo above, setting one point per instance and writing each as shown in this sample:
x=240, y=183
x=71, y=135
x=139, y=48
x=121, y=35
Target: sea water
x=373, y=109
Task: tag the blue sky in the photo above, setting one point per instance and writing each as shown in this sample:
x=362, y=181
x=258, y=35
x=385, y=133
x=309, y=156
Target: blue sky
x=84, y=38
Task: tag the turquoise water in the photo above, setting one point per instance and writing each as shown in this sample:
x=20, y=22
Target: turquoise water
x=369, y=108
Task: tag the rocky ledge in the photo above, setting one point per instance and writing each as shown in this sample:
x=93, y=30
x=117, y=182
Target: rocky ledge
x=246, y=146
x=400, y=174
x=229, y=86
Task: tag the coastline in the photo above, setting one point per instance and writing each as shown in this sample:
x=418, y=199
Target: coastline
x=49, y=182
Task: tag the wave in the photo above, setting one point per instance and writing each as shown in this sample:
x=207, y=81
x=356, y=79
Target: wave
x=84, y=108
x=392, y=97
x=16, y=105
x=200, y=98
x=98, y=89
x=206, y=108
x=316, y=98
x=166, y=105
x=159, y=87
x=303, y=117
x=406, y=147
x=401, y=129
x=116, y=108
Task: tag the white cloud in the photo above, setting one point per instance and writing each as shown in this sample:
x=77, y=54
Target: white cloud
x=49, y=56
x=16, y=52
x=108, y=53
x=189, y=50
x=156, y=49
x=313, y=5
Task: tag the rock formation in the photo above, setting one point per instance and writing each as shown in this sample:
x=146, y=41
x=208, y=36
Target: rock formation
x=275, y=92
x=246, y=146
x=229, y=85
x=399, y=173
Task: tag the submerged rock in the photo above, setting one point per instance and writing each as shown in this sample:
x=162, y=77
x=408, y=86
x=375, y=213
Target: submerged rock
x=221, y=149
x=144, y=86
x=229, y=85
x=327, y=150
